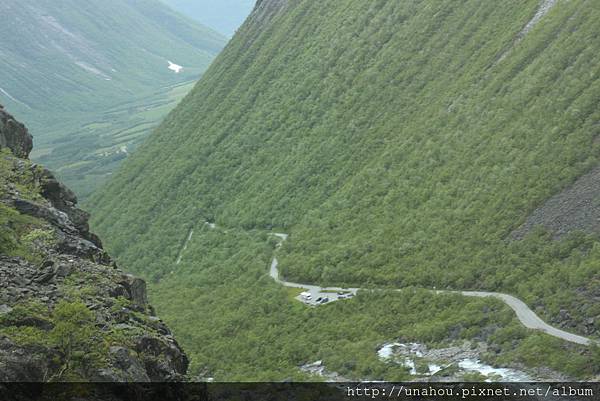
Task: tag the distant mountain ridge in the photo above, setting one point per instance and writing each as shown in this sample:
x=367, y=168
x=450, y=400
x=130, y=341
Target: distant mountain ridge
x=64, y=55
x=223, y=15
x=79, y=73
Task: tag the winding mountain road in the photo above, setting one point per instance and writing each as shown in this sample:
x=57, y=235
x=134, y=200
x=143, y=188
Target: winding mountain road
x=525, y=315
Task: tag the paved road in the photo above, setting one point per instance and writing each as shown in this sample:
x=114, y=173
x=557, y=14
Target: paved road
x=529, y=318
x=525, y=315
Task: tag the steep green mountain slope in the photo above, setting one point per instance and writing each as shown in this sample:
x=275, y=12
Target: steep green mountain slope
x=399, y=143
x=223, y=15
x=64, y=64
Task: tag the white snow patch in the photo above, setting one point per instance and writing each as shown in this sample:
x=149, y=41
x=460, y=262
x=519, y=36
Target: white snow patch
x=175, y=67
x=507, y=375
x=387, y=351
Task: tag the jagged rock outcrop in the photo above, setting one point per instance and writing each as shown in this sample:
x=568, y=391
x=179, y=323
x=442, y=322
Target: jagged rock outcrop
x=66, y=311
x=14, y=135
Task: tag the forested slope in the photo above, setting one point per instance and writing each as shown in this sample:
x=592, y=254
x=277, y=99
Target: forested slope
x=399, y=143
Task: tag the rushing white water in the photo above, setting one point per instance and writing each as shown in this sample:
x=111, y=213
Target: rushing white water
x=387, y=350
x=505, y=374
x=433, y=368
x=408, y=352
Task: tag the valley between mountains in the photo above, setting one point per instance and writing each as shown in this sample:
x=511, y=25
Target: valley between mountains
x=423, y=176
x=401, y=146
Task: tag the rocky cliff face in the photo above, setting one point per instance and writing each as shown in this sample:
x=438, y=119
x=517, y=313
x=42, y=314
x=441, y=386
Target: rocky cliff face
x=14, y=135
x=66, y=311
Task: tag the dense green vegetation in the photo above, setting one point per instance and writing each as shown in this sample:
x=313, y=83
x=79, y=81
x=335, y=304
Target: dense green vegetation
x=396, y=145
x=19, y=233
x=69, y=328
x=223, y=15
x=238, y=324
x=89, y=73
x=73, y=335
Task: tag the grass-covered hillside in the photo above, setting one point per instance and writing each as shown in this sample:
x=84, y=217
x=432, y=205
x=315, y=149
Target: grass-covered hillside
x=399, y=143
x=65, y=64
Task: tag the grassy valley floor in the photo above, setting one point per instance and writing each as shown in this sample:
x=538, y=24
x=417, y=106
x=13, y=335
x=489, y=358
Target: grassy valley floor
x=85, y=150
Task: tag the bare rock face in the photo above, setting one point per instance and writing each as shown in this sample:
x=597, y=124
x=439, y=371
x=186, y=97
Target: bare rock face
x=14, y=135
x=577, y=208
x=66, y=311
